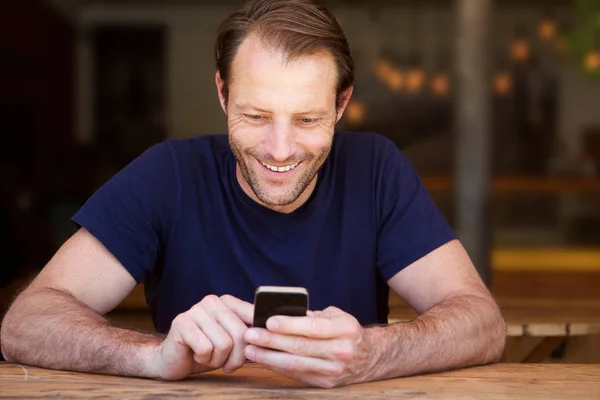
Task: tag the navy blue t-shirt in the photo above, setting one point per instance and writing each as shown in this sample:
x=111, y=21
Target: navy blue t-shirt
x=177, y=219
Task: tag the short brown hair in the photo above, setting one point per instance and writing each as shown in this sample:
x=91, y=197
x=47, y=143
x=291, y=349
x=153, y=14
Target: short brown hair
x=296, y=27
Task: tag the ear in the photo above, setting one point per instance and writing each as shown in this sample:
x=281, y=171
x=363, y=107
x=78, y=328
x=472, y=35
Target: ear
x=345, y=95
x=220, y=90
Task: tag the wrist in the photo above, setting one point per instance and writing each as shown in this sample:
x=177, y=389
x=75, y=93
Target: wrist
x=387, y=346
x=373, y=348
x=150, y=355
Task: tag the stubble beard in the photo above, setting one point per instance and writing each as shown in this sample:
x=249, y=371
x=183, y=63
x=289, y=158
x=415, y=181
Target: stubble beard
x=311, y=164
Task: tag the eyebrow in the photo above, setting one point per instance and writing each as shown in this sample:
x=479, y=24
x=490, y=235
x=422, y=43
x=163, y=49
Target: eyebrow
x=315, y=112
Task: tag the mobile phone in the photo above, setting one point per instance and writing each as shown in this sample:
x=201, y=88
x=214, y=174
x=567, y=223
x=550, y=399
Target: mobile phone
x=278, y=300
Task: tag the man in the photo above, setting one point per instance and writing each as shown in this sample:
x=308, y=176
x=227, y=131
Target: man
x=280, y=200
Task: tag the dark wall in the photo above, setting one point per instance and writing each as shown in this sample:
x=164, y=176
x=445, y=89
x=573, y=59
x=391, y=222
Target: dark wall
x=36, y=77
x=36, y=126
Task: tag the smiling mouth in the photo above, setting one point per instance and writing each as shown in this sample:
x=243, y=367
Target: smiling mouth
x=282, y=169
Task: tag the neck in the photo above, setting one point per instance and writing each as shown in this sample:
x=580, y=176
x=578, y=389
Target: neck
x=285, y=209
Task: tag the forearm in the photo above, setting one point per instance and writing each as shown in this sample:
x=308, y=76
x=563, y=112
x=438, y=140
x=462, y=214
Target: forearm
x=51, y=329
x=459, y=332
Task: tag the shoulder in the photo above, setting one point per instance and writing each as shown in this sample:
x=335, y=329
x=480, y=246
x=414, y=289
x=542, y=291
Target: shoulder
x=198, y=153
x=360, y=141
x=206, y=145
x=367, y=149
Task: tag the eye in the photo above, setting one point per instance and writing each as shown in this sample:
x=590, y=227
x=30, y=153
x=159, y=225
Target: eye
x=307, y=121
x=254, y=117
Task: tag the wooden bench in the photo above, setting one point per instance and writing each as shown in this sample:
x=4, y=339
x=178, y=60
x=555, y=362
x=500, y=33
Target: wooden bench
x=550, y=323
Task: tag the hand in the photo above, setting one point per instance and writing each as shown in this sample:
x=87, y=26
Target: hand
x=325, y=349
x=208, y=336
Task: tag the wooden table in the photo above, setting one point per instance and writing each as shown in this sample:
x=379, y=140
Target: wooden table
x=552, y=322
x=498, y=381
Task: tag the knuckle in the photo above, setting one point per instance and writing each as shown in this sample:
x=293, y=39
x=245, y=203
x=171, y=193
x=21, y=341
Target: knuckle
x=300, y=345
x=344, y=351
x=336, y=371
x=226, y=298
x=206, y=348
x=197, y=308
x=315, y=325
x=211, y=299
x=353, y=330
x=223, y=345
x=181, y=320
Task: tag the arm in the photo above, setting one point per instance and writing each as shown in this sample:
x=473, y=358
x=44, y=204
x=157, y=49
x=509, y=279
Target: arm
x=459, y=323
x=426, y=265
x=57, y=321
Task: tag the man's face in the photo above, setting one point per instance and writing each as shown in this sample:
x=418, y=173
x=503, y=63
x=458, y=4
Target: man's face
x=281, y=119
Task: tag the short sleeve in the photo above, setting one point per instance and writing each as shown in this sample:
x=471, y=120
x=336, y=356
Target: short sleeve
x=410, y=224
x=132, y=213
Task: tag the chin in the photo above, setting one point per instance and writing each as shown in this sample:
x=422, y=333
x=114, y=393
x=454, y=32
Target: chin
x=276, y=199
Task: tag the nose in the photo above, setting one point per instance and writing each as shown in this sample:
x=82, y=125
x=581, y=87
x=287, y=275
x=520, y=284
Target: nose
x=279, y=142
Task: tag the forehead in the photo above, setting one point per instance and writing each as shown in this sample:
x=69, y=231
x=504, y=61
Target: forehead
x=262, y=66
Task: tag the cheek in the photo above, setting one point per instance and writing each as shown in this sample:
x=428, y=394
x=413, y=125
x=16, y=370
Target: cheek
x=245, y=135
x=316, y=140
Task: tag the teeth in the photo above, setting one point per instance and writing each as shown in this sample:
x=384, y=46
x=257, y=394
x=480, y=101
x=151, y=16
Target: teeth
x=280, y=169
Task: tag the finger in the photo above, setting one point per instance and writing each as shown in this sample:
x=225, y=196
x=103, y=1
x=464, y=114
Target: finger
x=328, y=312
x=236, y=328
x=301, y=345
x=220, y=339
x=291, y=363
x=243, y=309
x=200, y=345
x=191, y=337
x=314, y=327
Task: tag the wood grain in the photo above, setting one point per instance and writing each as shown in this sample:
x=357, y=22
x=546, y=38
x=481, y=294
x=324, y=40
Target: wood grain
x=498, y=381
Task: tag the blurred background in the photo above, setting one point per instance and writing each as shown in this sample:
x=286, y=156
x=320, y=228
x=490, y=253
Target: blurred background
x=87, y=85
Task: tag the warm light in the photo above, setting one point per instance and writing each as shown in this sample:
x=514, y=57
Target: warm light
x=384, y=70
x=440, y=84
x=502, y=83
x=547, y=29
x=355, y=112
x=415, y=80
x=396, y=81
x=520, y=50
x=591, y=60
x=392, y=77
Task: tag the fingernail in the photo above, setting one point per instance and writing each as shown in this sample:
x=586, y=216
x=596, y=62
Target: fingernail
x=250, y=352
x=273, y=323
x=252, y=335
